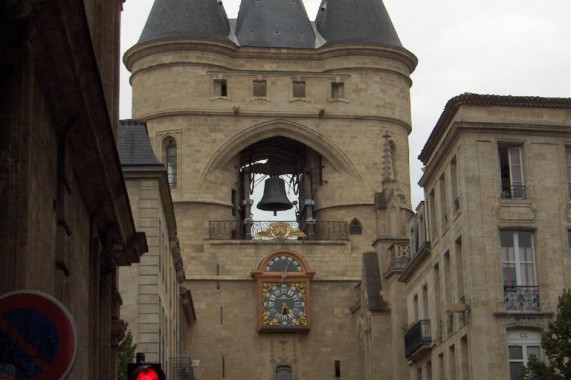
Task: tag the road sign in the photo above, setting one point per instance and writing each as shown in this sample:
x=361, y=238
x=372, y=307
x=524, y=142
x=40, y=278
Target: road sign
x=38, y=337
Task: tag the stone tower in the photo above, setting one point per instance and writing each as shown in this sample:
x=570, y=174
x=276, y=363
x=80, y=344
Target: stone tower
x=323, y=105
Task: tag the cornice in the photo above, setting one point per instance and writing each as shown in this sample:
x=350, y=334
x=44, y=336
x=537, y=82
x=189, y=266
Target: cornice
x=257, y=114
x=228, y=49
x=469, y=99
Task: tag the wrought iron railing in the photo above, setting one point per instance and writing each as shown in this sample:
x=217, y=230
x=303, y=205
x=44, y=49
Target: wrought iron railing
x=417, y=336
x=521, y=297
x=513, y=192
x=425, y=245
x=181, y=368
x=278, y=230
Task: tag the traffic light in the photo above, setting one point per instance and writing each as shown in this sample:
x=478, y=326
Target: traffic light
x=145, y=371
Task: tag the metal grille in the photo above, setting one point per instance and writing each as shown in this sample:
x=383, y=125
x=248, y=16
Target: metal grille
x=521, y=298
x=181, y=368
x=417, y=336
x=513, y=192
x=233, y=230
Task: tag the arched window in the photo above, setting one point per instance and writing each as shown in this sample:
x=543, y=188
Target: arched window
x=355, y=227
x=171, y=160
x=283, y=372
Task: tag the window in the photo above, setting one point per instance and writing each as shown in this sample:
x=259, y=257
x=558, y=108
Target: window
x=452, y=362
x=454, y=180
x=568, y=156
x=283, y=372
x=260, y=88
x=459, y=269
x=443, y=203
x=518, y=267
x=355, y=228
x=298, y=88
x=337, y=90
x=432, y=215
x=511, y=172
x=171, y=160
x=521, y=345
x=569, y=240
x=220, y=87
x=337, y=369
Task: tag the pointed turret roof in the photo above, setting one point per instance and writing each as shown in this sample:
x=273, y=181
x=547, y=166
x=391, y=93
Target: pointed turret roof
x=274, y=23
x=186, y=18
x=351, y=21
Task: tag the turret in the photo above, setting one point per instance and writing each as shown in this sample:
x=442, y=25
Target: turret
x=356, y=22
x=186, y=19
x=274, y=23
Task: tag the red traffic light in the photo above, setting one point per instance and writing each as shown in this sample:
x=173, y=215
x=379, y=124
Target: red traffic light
x=147, y=374
x=145, y=371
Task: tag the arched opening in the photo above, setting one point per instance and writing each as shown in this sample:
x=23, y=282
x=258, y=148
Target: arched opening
x=170, y=160
x=284, y=372
x=355, y=227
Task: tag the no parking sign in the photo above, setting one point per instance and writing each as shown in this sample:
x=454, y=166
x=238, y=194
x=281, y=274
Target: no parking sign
x=38, y=338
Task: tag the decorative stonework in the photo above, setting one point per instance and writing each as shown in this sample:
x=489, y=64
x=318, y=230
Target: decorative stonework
x=516, y=213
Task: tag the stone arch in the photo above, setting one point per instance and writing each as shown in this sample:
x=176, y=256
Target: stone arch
x=283, y=128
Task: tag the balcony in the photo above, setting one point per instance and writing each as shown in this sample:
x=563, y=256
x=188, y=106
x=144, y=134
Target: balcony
x=277, y=230
x=522, y=298
x=181, y=368
x=513, y=192
x=417, y=339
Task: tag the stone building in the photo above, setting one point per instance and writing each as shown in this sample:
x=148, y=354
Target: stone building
x=490, y=245
x=352, y=283
x=323, y=105
x=65, y=220
x=155, y=307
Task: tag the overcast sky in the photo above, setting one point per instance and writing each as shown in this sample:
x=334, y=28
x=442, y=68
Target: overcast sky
x=502, y=47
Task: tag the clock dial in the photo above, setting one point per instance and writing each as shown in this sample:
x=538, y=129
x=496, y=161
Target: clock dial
x=283, y=263
x=284, y=304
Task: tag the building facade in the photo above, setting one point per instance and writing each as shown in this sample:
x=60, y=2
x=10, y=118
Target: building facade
x=324, y=105
x=155, y=307
x=490, y=244
x=352, y=283
x=65, y=220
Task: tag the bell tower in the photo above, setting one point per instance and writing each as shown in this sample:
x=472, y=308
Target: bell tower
x=318, y=115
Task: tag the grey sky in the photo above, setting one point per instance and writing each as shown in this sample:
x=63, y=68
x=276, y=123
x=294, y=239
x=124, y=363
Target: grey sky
x=502, y=47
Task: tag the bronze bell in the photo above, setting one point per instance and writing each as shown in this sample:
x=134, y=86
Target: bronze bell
x=275, y=198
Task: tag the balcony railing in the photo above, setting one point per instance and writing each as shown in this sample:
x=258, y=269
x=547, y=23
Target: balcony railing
x=181, y=368
x=277, y=230
x=521, y=298
x=513, y=192
x=417, y=336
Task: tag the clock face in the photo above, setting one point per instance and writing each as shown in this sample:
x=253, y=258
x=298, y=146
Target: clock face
x=284, y=304
x=283, y=263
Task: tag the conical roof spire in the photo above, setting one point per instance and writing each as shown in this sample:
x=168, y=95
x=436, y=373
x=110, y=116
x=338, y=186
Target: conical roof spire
x=274, y=23
x=186, y=19
x=351, y=21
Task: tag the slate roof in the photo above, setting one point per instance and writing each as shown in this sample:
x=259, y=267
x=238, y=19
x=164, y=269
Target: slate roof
x=352, y=21
x=274, y=23
x=373, y=282
x=135, y=150
x=471, y=99
x=186, y=18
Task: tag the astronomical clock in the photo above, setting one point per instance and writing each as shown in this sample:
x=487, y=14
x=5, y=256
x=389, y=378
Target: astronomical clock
x=282, y=283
